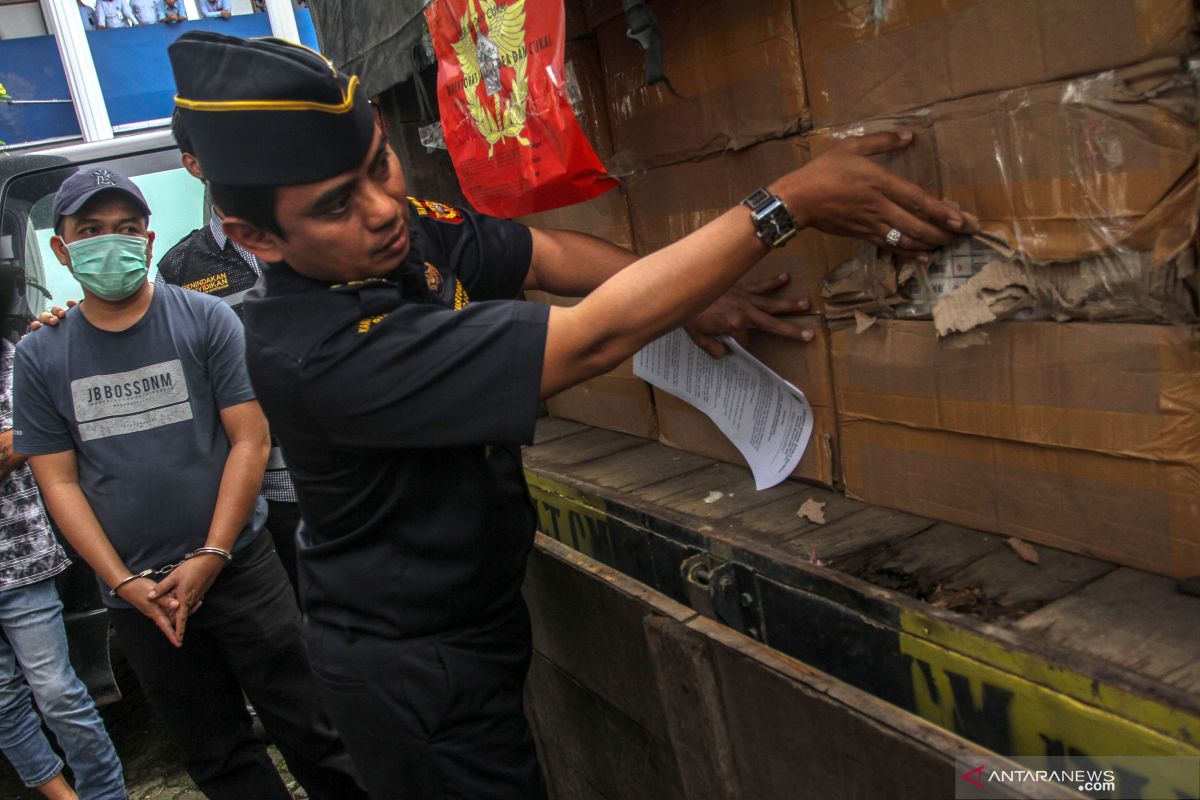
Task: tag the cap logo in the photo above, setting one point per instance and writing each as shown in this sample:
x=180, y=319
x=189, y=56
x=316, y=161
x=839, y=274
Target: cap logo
x=104, y=177
x=481, y=55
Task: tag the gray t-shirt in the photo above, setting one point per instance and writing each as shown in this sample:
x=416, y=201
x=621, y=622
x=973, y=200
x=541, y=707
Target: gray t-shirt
x=140, y=407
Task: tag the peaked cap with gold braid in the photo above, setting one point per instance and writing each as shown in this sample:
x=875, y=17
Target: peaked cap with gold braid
x=267, y=112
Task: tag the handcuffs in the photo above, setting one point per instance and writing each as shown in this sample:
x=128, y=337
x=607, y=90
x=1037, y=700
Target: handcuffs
x=169, y=568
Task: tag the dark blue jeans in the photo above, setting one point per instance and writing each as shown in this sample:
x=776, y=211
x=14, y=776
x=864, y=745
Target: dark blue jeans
x=34, y=665
x=245, y=638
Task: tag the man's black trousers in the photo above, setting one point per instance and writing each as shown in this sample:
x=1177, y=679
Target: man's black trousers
x=245, y=637
x=437, y=717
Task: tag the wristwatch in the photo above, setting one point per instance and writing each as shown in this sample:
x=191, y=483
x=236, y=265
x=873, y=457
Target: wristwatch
x=773, y=222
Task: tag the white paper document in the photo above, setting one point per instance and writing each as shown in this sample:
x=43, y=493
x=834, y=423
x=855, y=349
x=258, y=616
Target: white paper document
x=765, y=417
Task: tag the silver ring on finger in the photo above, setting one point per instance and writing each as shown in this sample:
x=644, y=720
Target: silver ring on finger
x=892, y=238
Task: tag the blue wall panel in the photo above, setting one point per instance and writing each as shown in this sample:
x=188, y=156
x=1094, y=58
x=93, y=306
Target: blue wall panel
x=132, y=64
x=30, y=69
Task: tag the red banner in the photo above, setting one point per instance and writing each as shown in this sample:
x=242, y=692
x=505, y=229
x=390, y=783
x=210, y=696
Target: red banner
x=502, y=94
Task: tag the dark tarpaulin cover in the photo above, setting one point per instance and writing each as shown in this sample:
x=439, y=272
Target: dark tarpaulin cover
x=377, y=40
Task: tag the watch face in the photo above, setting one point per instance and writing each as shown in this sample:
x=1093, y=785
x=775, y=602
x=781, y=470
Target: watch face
x=773, y=222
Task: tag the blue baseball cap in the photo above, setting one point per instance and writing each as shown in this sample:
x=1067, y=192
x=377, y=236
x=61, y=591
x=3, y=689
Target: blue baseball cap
x=86, y=184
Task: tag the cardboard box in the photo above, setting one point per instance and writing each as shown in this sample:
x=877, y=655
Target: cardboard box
x=606, y=216
x=735, y=65
x=670, y=202
x=1063, y=171
x=597, y=12
x=1079, y=436
x=804, y=365
x=616, y=401
x=806, y=12
x=866, y=58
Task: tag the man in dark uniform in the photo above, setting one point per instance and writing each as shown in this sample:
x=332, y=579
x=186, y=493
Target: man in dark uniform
x=401, y=375
x=207, y=261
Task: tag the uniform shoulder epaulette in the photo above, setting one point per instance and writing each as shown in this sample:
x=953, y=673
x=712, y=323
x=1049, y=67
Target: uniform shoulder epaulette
x=434, y=210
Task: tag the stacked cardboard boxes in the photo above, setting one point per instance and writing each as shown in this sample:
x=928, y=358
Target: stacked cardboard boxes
x=735, y=71
x=865, y=58
x=1080, y=436
x=1067, y=127
x=1069, y=130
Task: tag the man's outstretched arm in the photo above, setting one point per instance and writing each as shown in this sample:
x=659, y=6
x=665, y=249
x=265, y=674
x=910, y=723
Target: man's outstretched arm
x=573, y=264
x=842, y=192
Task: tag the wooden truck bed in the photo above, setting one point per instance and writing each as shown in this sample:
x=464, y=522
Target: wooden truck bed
x=1070, y=657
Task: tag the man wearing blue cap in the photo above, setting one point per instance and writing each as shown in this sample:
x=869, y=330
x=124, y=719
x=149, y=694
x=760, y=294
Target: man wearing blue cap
x=144, y=435
x=401, y=375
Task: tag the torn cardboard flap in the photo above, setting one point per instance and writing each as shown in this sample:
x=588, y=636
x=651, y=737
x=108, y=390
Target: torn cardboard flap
x=867, y=284
x=1125, y=287
x=970, y=283
x=987, y=297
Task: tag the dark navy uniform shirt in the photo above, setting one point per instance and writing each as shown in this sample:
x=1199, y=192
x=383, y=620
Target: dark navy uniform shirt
x=401, y=405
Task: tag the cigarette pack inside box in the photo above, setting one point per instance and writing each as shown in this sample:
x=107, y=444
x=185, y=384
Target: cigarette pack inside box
x=617, y=400
x=1080, y=436
x=735, y=68
x=805, y=366
x=864, y=58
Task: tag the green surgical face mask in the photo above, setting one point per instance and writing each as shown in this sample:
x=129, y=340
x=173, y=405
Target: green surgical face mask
x=112, y=266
